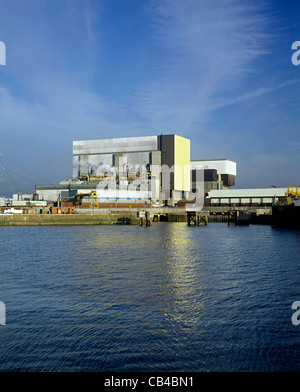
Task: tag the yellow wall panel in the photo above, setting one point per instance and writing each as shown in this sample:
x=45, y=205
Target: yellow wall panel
x=182, y=157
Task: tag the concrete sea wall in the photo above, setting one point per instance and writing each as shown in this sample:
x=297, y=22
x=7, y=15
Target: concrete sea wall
x=64, y=219
x=93, y=217
x=123, y=216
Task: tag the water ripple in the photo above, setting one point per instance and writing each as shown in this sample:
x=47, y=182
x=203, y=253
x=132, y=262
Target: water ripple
x=165, y=298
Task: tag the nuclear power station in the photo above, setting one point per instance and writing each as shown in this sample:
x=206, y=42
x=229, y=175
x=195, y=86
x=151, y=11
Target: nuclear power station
x=154, y=170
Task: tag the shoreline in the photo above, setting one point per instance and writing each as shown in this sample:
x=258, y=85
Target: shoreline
x=114, y=218
x=64, y=219
x=101, y=218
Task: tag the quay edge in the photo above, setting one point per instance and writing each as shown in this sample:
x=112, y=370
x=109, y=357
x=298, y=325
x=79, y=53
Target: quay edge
x=131, y=216
x=97, y=217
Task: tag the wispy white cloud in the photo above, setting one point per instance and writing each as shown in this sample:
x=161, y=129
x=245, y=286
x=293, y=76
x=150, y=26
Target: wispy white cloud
x=39, y=134
x=195, y=60
x=223, y=102
x=207, y=47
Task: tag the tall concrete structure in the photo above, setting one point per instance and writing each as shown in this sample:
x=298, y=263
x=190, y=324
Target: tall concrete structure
x=90, y=156
x=158, y=165
x=175, y=152
x=218, y=173
x=156, y=169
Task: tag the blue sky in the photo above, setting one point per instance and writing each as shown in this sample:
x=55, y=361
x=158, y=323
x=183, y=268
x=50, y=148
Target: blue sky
x=216, y=72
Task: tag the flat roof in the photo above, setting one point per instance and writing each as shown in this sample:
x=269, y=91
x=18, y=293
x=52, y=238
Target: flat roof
x=254, y=192
x=217, y=159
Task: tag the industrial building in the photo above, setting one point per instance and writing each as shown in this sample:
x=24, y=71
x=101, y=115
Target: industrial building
x=218, y=173
x=146, y=169
x=143, y=172
x=247, y=197
x=23, y=203
x=130, y=168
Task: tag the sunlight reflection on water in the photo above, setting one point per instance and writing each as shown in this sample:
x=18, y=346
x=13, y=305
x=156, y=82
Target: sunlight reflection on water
x=167, y=297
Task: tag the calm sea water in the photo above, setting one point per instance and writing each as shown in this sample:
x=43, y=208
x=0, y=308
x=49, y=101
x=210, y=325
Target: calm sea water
x=162, y=298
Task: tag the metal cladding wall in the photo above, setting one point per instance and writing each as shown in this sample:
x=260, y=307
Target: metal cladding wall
x=126, y=162
x=88, y=155
x=256, y=192
x=209, y=175
x=223, y=166
x=128, y=156
x=228, y=179
x=244, y=196
x=115, y=145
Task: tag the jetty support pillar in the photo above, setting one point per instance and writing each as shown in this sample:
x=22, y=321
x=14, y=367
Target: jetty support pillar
x=197, y=217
